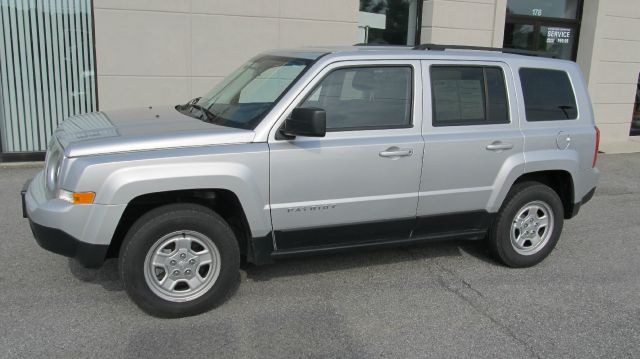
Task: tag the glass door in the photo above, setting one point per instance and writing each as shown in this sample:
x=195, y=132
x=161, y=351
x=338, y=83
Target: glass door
x=556, y=38
x=540, y=25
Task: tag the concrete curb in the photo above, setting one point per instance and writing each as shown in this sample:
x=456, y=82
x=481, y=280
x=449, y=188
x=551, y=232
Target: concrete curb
x=8, y=165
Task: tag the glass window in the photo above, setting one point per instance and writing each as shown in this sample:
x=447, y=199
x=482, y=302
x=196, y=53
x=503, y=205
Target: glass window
x=245, y=96
x=468, y=95
x=388, y=22
x=360, y=98
x=518, y=36
x=635, y=120
x=565, y=9
x=268, y=86
x=557, y=40
x=548, y=95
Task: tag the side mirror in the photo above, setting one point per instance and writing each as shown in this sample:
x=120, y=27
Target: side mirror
x=307, y=121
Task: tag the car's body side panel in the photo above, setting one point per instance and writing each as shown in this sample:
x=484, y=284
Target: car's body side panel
x=566, y=145
x=241, y=169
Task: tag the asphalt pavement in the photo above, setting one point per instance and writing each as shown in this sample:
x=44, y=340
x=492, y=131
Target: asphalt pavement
x=447, y=300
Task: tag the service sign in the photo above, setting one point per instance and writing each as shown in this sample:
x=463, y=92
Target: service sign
x=558, y=35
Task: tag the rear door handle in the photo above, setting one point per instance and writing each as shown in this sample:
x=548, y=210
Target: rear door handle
x=396, y=152
x=499, y=146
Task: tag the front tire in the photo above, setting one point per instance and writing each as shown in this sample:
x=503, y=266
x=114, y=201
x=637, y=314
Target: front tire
x=179, y=260
x=528, y=225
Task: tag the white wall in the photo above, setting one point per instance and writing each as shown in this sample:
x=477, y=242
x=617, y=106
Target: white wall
x=454, y=22
x=168, y=51
x=609, y=55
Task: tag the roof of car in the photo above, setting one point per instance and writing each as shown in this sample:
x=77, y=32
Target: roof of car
x=391, y=51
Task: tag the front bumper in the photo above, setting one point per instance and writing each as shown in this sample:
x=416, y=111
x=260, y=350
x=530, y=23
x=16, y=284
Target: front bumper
x=52, y=221
x=57, y=241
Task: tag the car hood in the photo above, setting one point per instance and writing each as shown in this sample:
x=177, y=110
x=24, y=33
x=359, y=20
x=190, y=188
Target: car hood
x=141, y=129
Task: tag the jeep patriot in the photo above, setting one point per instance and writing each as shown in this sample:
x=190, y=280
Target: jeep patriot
x=316, y=150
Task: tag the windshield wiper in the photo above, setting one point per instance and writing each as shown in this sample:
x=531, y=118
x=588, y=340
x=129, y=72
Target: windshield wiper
x=208, y=115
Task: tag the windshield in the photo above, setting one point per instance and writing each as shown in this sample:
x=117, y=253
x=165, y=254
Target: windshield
x=245, y=96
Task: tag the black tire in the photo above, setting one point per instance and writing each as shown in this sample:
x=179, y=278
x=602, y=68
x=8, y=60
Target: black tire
x=499, y=236
x=159, y=222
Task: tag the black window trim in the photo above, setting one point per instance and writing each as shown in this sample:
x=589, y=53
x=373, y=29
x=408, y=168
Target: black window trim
x=484, y=96
x=573, y=93
x=371, y=128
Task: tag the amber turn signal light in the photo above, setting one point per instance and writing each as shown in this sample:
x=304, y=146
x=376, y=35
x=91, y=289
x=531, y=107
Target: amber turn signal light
x=83, y=198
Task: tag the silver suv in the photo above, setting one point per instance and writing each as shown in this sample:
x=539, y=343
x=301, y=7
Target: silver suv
x=317, y=150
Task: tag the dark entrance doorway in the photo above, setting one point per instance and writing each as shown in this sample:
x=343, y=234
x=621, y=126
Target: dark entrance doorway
x=544, y=25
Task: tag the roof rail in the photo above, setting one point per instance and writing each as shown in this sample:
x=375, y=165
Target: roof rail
x=436, y=47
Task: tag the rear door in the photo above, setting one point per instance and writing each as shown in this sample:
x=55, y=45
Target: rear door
x=471, y=134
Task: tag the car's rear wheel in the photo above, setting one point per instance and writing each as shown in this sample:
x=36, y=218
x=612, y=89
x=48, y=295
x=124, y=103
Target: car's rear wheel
x=179, y=260
x=528, y=225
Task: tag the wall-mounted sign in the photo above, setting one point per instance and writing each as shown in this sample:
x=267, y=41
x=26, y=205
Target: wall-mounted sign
x=564, y=9
x=558, y=35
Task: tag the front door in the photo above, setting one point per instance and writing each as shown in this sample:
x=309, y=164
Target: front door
x=360, y=182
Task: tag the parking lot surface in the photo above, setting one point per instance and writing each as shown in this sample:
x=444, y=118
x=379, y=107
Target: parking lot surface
x=446, y=300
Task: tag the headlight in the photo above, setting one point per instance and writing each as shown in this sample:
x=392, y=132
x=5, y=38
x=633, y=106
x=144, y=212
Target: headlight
x=53, y=162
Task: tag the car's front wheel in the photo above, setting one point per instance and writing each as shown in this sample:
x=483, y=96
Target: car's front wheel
x=179, y=260
x=527, y=226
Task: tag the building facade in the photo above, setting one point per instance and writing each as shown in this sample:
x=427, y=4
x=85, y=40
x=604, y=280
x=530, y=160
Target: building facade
x=64, y=57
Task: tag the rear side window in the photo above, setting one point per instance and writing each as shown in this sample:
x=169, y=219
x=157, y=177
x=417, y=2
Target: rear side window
x=468, y=95
x=548, y=95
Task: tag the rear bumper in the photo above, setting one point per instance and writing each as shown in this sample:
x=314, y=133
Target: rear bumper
x=587, y=197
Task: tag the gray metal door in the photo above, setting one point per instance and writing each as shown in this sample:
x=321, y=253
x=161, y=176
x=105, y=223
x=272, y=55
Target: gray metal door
x=467, y=151
x=363, y=178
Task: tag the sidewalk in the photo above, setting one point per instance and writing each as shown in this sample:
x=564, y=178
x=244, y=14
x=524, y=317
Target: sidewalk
x=632, y=145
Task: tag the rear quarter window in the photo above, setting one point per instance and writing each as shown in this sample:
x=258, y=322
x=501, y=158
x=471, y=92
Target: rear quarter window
x=548, y=95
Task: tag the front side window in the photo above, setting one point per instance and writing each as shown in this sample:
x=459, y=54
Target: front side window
x=245, y=96
x=361, y=98
x=548, y=95
x=468, y=95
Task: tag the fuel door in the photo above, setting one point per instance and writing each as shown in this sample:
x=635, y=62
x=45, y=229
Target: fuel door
x=563, y=140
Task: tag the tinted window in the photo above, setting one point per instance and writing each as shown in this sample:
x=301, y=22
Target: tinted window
x=365, y=98
x=468, y=95
x=548, y=95
x=247, y=95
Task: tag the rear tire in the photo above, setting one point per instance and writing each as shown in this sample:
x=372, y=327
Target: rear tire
x=528, y=225
x=179, y=260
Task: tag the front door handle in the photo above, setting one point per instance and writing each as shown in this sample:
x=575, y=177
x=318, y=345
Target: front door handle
x=499, y=146
x=396, y=152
